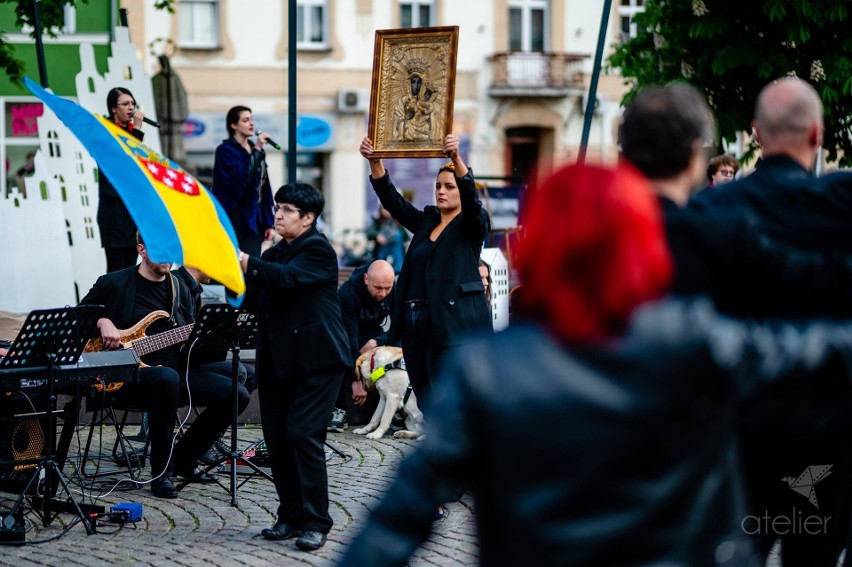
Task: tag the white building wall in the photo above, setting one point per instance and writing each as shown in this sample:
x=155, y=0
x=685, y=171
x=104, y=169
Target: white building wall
x=45, y=269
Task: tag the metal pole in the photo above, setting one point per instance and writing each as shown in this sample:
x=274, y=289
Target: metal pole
x=291, y=93
x=593, y=88
x=42, y=65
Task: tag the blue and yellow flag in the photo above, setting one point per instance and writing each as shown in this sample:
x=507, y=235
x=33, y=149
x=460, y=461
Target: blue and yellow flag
x=177, y=216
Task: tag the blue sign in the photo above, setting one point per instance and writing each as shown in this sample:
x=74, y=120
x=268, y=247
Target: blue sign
x=193, y=128
x=312, y=131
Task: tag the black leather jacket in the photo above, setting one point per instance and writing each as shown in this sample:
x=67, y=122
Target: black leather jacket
x=617, y=453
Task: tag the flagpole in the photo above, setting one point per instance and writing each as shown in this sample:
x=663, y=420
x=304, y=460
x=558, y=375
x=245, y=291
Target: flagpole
x=291, y=93
x=42, y=66
x=593, y=87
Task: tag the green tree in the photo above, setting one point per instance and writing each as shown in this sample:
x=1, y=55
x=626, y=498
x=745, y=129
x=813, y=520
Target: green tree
x=51, y=18
x=731, y=50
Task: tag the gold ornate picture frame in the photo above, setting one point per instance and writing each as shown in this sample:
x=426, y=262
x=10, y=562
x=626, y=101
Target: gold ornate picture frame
x=414, y=83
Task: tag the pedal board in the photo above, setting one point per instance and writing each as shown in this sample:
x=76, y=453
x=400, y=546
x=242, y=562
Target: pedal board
x=259, y=458
x=12, y=528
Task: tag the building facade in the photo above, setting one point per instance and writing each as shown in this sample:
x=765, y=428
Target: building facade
x=522, y=76
x=523, y=68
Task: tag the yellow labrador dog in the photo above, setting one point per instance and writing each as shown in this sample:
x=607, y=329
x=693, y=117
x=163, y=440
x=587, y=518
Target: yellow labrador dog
x=383, y=368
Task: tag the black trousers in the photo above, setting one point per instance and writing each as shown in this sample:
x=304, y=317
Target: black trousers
x=157, y=392
x=422, y=355
x=118, y=258
x=208, y=386
x=294, y=413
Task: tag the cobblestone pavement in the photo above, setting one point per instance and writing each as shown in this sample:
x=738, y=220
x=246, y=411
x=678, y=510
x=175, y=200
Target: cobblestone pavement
x=201, y=527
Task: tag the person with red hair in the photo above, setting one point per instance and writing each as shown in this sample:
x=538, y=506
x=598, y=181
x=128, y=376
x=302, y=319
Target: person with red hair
x=590, y=255
x=601, y=430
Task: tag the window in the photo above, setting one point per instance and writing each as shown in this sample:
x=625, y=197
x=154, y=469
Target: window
x=199, y=23
x=626, y=10
x=528, y=25
x=416, y=13
x=311, y=18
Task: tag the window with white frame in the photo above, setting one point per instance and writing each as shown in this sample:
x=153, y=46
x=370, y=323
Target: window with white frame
x=311, y=23
x=626, y=10
x=528, y=24
x=416, y=13
x=199, y=23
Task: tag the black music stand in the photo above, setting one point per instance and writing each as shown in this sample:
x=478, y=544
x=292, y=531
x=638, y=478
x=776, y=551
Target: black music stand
x=218, y=328
x=49, y=338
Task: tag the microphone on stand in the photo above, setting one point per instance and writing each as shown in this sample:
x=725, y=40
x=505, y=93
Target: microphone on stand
x=270, y=141
x=147, y=120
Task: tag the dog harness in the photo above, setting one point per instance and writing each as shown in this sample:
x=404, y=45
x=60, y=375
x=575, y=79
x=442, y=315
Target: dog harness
x=378, y=373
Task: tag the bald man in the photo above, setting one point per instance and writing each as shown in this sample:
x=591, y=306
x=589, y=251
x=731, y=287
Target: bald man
x=365, y=302
x=788, y=430
x=782, y=193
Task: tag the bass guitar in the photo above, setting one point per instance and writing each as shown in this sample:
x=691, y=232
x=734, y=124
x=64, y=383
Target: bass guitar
x=135, y=338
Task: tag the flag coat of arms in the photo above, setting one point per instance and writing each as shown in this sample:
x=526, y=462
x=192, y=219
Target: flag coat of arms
x=179, y=219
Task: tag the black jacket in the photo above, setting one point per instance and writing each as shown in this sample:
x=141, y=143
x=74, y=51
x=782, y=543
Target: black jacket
x=727, y=257
x=790, y=203
x=114, y=221
x=363, y=316
x=453, y=287
x=293, y=289
x=117, y=292
x=621, y=453
x=793, y=207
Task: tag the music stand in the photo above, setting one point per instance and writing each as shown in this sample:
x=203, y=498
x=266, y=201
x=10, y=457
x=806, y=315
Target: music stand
x=220, y=327
x=49, y=338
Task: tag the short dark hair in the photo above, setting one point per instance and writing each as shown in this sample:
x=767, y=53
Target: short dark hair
x=718, y=161
x=234, y=116
x=112, y=98
x=306, y=197
x=661, y=126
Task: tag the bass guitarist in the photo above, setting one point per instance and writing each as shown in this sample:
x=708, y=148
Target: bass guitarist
x=130, y=295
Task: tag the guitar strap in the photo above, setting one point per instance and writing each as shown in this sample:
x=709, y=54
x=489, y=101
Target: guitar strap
x=175, y=298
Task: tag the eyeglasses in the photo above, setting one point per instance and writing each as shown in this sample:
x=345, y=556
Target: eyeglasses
x=726, y=172
x=287, y=209
x=127, y=103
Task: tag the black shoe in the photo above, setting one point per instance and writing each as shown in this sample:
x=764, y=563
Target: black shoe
x=205, y=478
x=211, y=456
x=133, y=457
x=163, y=487
x=279, y=532
x=309, y=541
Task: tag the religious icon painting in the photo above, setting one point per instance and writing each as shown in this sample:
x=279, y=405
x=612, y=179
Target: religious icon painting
x=411, y=102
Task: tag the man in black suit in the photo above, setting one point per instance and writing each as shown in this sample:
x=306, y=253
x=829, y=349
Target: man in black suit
x=302, y=356
x=727, y=255
x=748, y=270
x=794, y=206
x=130, y=295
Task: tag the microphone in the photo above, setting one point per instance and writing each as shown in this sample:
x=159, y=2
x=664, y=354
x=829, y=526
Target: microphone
x=147, y=120
x=270, y=141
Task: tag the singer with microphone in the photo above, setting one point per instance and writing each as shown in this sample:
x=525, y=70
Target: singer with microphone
x=118, y=231
x=240, y=181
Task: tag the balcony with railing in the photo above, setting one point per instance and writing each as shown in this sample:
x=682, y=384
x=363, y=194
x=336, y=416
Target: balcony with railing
x=539, y=74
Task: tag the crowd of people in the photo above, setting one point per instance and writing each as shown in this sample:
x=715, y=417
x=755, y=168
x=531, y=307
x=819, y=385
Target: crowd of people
x=678, y=360
x=677, y=373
